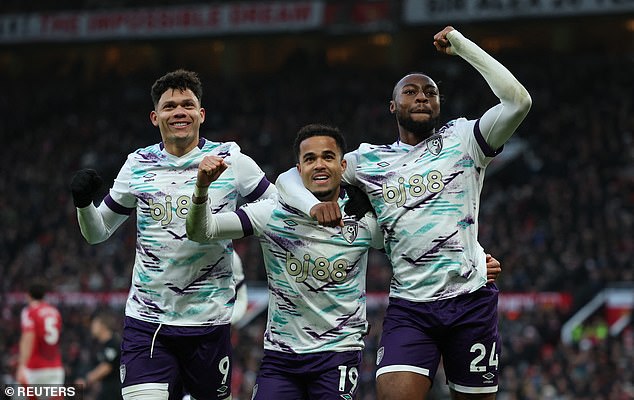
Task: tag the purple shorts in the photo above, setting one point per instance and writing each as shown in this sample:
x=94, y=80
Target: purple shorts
x=195, y=360
x=318, y=376
x=463, y=330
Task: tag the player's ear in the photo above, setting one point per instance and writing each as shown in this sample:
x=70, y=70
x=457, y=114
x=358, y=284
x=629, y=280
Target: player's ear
x=392, y=107
x=154, y=118
x=202, y=115
x=344, y=164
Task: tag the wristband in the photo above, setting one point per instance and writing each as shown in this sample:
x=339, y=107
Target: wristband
x=200, y=191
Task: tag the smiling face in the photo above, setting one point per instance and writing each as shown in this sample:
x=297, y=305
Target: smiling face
x=416, y=104
x=321, y=166
x=178, y=115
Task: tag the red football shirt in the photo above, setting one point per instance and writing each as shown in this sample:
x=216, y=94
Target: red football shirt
x=46, y=322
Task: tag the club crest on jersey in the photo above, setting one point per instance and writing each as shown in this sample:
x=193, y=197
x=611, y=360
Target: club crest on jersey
x=434, y=144
x=350, y=230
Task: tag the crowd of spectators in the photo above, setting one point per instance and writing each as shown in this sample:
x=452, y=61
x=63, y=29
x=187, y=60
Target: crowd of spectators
x=559, y=215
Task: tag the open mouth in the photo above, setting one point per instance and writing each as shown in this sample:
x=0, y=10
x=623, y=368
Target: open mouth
x=320, y=178
x=180, y=124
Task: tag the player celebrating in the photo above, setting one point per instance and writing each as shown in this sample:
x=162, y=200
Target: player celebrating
x=40, y=360
x=316, y=316
x=316, y=275
x=425, y=189
x=178, y=312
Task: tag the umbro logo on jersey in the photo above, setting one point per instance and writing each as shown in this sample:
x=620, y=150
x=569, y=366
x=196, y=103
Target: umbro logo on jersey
x=350, y=230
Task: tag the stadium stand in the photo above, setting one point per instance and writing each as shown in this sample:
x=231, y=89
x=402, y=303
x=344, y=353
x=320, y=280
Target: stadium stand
x=558, y=212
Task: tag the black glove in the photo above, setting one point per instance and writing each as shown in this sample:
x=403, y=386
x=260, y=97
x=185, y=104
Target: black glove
x=85, y=184
x=358, y=202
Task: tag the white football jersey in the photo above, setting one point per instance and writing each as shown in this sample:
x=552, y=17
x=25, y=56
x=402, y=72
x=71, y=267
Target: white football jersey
x=176, y=281
x=427, y=199
x=316, y=277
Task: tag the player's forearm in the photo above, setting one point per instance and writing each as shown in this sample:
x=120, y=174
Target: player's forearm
x=98, y=224
x=26, y=348
x=293, y=192
x=502, y=82
x=98, y=373
x=203, y=226
x=500, y=122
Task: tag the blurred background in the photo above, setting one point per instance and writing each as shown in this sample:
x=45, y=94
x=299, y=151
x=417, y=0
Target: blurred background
x=557, y=206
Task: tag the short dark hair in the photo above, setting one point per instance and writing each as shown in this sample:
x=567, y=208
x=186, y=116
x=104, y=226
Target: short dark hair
x=107, y=318
x=180, y=79
x=37, y=290
x=311, y=130
x=401, y=78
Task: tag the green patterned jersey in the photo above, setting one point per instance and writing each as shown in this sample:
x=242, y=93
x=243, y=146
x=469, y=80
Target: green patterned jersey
x=316, y=277
x=427, y=199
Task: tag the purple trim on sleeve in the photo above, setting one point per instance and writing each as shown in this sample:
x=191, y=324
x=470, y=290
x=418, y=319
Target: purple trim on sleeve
x=116, y=207
x=247, y=227
x=486, y=149
x=259, y=190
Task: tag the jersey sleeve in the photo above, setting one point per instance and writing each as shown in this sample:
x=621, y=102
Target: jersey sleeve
x=257, y=214
x=499, y=122
x=111, y=354
x=375, y=231
x=352, y=160
x=120, y=198
x=293, y=192
x=251, y=181
x=26, y=321
x=99, y=223
x=203, y=226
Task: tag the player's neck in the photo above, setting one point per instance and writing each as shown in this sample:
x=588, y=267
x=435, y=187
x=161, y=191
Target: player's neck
x=330, y=196
x=412, y=138
x=176, y=149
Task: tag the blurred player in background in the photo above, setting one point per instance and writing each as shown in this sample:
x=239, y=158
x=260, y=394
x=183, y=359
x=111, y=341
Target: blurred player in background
x=425, y=190
x=103, y=327
x=39, y=359
x=176, y=335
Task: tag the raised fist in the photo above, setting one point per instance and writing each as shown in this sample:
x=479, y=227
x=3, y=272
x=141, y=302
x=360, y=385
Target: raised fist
x=85, y=184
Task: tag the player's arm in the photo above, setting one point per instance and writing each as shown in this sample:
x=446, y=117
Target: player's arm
x=26, y=346
x=378, y=240
x=27, y=343
x=251, y=181
x=202, y=225
x=98, y=373
x=242, y=300
x=96, y=223
x=499, y=122
x=293, y=192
